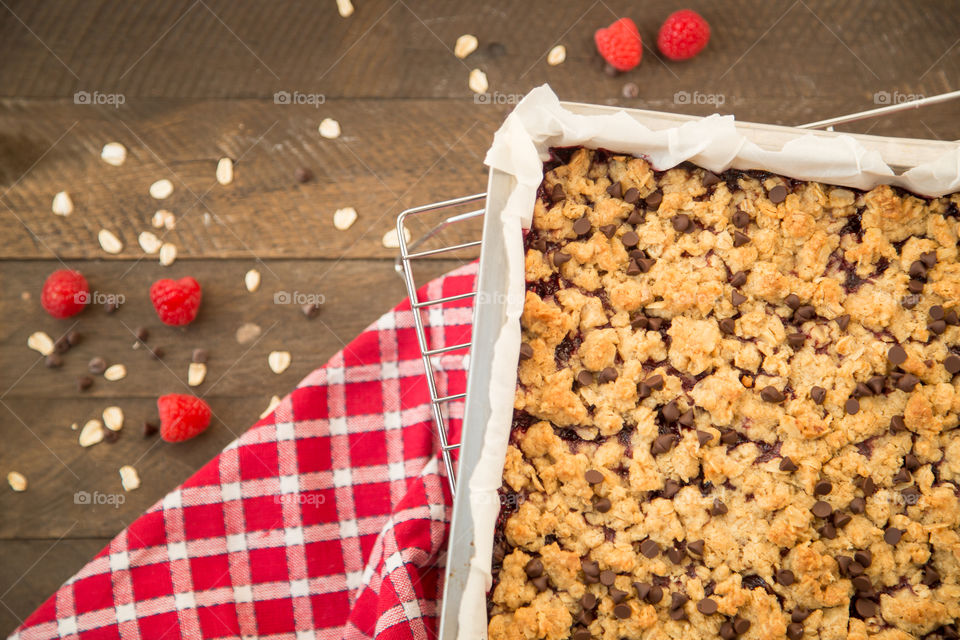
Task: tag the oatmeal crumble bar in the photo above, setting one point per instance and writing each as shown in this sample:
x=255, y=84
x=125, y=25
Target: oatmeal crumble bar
x=736, y=412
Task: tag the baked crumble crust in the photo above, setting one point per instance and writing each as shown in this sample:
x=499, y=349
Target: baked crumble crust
x=736, y=412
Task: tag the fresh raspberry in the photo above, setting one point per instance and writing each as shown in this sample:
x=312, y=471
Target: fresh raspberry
x=176, y=301
x=620, y=44
x=683, y=35
x=65, y=293
x=182, y=417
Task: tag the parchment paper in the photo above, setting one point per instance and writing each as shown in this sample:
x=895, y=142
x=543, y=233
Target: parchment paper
x=521, y=146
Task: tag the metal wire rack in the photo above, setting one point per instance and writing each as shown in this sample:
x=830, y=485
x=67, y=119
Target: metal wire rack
x=408, y=254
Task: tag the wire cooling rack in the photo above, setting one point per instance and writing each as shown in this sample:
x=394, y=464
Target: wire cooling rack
x=409, y=253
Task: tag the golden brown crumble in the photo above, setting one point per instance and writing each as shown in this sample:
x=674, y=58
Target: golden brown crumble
x=738, y=417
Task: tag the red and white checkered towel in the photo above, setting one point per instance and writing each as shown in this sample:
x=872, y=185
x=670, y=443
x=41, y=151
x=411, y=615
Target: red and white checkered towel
x=327, y=519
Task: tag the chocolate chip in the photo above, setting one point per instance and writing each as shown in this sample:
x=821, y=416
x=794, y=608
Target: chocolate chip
x=560, y=258
x=582, y=225
x=862, y=391
x=822, y=488
x=864, y=557
x=897, y=425
x=785, y=577
x=778, y=194
x=631, y=196
x=710, y=179
x=53, y=361
x=857, y=505
x=718, y=508
x=622, y=611
x=607, y=577
x=897, y=355
x=97, y=366
x=862, y=584
x=602, y=505
x=929, y=259
x=727, y=632
x=866, y=608
x=608, y=230
x=643, y=588
x=671, y=412
x=843, y=321
x=875, y=384
x=794, y=631
x=311, y=309
x=662, y=444
x=828, y=531
x=902, y=477
x=678, y=599
x=930, y=576
x=936, y=312
x=582, y=634
x=909, y=302
x=557, y=194
x=772, y=394
x=787, y=464
x=674, y=554
x=952, y=318
x=655, y=381
x=915, y=286
x=111, y=436
x=678, y=614
x=741, y=219
x=796, y=340
x=740, y=238
x=741, y=626
x=869, y=487
x=937, y=327
x=806, y=312
x=822, y=509
x=630, y=239
x=61, y=345
x=851, y=406
x=74, y=338
x=728, y=325
x=615, y=190
x=687, y=418
x=952, y=364
x=793, y=301
x=654, y=199
x=649, y=548
x=655, y=323
x=608, y=374
x=149, y=428
x=707, y=606
x=526, y=351
x=908, y=382
x=646, y=264
x=703, y=437
x=643, y=391
x=110, y=306
x=585, y=378
x=670, y=488
x=737, y=298
x=84, y=383
x=585, y=618
x=592, y=476
x=696, y=547
x=302, y=175
x=534, y=568
x=911, y=495
x=799, y=615
x=917, y=269
x=730, y=437
x=681, y=222
x=892, y=535
x=588, y=601
x=142, y=334
x=911, y=462
x=818, y=394
x=590, y=568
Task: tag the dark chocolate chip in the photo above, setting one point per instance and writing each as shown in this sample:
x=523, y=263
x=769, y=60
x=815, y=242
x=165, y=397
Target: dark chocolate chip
x=822, y=509
x=633, y=269
x=61, y=345
x=793, y=301
x=643, y=391
x=818, y=394
x=630, y=239
x=740, y=238
x=607, y=577
x=911, y=462
x=841, y=519
x=674, y=554
x=864, y=557
x=585, y=378
x=74, y=338
x=892, y=535
x=608, y=230
x=858, y=505
x=557, y=194
x=799, y=615
x=937, y=327
x=828, y=531
x=862, y=390
x=915, y=286
x=636, y=217
x=794, y=631
x=908, y=382
x=952, y=364
x=681, y=222
x=929, y=259
x=851, y=406
x=588, y=601
x=936, y=312
x=526, y=351
x=678, y=614
x=718, y=508
x=585, y=618
x=582, y=634
x=917, y=269
x=876, y=384
x=897, y=425
x=687, y=418
x=663, y=444
x=53, y=361
x=738, y=279
x=911, y=495
x=869, y=487
x=952, y=318
x=730, y=437
x=806, y=312
x=696, y=547
x=728, y=325
x=602, y=505
x=902, y=477
x=654, y=199
x=741, y=626
x=97, y=366
x=778, y=194
x=149, y=428
x=622, y=611
x=787, y=464
x=608, y=374
x=737, y=298
x=670, y=488
x=311, y=309
x=655, y=323
x=707, y=606
x=592, y=476
x=862, y=584
x=560, y=258
x=590, y=567
x=796, y=340
x=785, y=577
x=655, y=381
x=930, y=576
x=772, y=394
x=631, y=196
x=534, y=568
x=741, y=219
x=843, y=321
x=143, y=333
x=897, y=355
x=671, y=412
x=582, y=225
x=643, y=588
x=649, y=548
x=84, y=383
x=822, y=488
x=678, y=599
x=703, y=437
x=727, y=632
x=615, y=190
x=866, y=608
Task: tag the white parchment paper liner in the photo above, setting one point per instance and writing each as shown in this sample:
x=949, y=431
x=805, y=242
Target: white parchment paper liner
x=521, y=146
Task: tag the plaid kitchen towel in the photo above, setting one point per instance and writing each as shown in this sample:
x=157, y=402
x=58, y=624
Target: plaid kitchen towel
x=327, y=519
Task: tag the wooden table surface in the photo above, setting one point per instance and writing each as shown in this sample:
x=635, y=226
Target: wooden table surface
x=197, y=80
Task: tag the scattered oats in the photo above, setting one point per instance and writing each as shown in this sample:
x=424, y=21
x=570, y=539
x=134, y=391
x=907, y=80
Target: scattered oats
x=392, y=241
x=196, y=373
x=74, y=426
x=274, y=401
x=557, y=55
x=41, y=343
x=161, y=189
x=91, y=434
x=252, y=280
x=248, y=333
x=329, y=128
x=62, y=204
x=279, y=361
x=345, y=7
x=466, y=44
x=115, y=372
x=168, y=253
x=163, y=218
x=129, y=478
x=17, y=481
x=478, y=81
x=344, y=218
x=225, y=171
x=109, y=242
x=114, y=153
x=149, y=242
x=113, y=418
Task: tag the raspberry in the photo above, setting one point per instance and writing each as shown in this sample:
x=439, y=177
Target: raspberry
x=65, y=293
x=176, y=301
x=620, y=44
x=182, y=417
x=683, y=35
